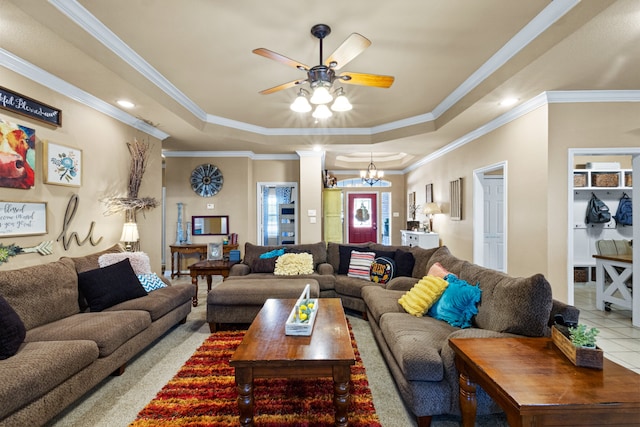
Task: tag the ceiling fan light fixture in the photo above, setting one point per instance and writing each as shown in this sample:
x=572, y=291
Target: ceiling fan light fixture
x=321, y=95
x=301, y=104
x=341, y=103
x=322, y=112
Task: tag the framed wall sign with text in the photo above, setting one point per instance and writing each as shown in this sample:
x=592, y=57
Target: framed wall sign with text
x=23, y=218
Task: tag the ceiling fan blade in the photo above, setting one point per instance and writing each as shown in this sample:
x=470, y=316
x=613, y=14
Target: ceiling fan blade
x=366, y=79
x=349, y=49
x=280, y=58
x=282, y=86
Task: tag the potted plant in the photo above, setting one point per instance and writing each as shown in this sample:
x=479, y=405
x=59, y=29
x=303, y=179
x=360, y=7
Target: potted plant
x=583, y=336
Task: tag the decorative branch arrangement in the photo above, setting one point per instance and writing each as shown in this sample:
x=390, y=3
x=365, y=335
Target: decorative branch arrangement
x=132, y=203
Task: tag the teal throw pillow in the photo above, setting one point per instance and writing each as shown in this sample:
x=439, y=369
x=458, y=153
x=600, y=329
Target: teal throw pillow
x=151, y=282
x=272, y=254
x=458, y=303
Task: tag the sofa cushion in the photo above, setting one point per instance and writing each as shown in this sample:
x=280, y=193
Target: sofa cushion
x=458, y=303
x=517, y=305
x=39, y=367
x=404, y=263
x=294, y=264
x=159, y=302
x=380, y=301
x=415, y=343
x=104, y=287
x=41, y=293
x=317, y=250
x=90, y=262
x=12, y=330
x=151, y=282
x=139, y=261
x=351, y=286
x=360, y=264
x=108, y=329
x=423, y=295
x=382, y=270
x=422, y=258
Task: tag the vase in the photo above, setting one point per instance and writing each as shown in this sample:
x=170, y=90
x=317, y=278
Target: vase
x=187, y=239
x=179, y=234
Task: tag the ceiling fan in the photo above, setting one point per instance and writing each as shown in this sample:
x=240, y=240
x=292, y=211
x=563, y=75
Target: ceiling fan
x=324, y=74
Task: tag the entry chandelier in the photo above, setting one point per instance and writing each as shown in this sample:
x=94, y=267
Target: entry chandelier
x=372, y=174
x=321, y=96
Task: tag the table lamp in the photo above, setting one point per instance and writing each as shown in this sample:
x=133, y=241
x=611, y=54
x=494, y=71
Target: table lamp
x=129, y=235
x=431, y=209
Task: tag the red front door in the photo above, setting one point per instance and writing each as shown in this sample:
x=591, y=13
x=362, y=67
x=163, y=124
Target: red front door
x=363, y=217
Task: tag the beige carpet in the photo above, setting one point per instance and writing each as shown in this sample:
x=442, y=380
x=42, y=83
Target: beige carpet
x=117, y=400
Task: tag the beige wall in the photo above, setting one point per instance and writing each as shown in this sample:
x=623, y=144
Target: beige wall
x=522, y=144
x=102, y=140
x=236, y=199
x=583, y=125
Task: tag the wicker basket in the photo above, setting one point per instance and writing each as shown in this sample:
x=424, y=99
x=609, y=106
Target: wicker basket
x=579, y=180
x=604, y=179
x=580, y=274
x=628, y=180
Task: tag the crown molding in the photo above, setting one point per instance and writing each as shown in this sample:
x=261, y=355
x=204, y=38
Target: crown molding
x=82, y=17
x=248, y=154
x=545, y=98
x=48, y=80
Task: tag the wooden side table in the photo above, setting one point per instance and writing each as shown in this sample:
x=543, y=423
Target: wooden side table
x=180, y=250
x=536, y=385
x=208, y=268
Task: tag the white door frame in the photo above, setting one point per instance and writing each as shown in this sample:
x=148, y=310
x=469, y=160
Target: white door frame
x=635, y=154
x=294, y=195
x=478, y=212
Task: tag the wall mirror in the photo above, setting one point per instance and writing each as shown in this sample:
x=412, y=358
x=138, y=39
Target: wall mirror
x=214, y=225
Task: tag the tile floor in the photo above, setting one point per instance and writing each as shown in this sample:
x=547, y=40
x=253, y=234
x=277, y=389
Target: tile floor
x=618, y=338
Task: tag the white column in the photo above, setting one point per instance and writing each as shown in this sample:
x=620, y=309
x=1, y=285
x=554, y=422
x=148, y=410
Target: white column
x=311, y=185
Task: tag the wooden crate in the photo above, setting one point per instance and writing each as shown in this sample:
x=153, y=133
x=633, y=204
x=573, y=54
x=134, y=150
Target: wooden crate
x=584, y=357
x=604, y=179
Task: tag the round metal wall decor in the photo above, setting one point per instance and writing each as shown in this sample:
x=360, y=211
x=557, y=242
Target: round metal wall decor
x=206, y=180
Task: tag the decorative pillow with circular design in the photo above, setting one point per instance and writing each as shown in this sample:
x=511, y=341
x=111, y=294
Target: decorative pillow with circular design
x=382, y=270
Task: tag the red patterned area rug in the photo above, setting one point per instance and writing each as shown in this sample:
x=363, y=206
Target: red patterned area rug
x=203, y=393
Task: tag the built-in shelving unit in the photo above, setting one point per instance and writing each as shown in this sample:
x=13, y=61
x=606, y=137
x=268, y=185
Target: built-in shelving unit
x=608, y=185
x=287, y=224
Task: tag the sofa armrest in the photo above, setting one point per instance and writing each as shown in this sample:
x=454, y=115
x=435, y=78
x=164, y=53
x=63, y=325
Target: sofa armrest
x=239, y=269
x=568, y=312
x=401, y=283
x=325, y=268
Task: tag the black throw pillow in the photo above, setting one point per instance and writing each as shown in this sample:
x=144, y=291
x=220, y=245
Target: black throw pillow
x=12, y=330
x=264, y=265
x=385, y=254
x=111, y=285
x=404, y=263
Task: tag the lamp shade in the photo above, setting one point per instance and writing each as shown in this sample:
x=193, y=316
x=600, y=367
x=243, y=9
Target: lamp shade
x=130, y=232
x=301, y=104
x=341, y=104
x=322, y=112
x=321, y=95
x=432, y=208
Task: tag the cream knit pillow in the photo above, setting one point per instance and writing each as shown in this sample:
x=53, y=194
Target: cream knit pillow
x=294, y=264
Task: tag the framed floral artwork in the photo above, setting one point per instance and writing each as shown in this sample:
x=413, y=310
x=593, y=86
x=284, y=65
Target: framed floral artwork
x=62, y=165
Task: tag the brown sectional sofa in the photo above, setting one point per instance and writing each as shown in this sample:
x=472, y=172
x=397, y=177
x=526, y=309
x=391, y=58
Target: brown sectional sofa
x=68, y=351
x=416, y=349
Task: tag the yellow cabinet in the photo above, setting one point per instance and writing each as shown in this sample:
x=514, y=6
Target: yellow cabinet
x=332, y=214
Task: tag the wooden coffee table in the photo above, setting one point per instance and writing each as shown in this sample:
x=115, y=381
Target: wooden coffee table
x=208, y=268
x=536, y=385
x=266, y=352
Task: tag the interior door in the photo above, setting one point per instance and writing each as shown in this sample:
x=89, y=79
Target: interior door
x=363, y=217
x=493, y=222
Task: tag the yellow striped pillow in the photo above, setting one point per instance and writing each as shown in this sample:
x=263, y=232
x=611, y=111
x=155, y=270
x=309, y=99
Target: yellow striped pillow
x=423, y=295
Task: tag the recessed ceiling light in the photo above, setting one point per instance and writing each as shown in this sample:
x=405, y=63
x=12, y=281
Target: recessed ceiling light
x=507, y=102
x=125, y=104
x=317, y=148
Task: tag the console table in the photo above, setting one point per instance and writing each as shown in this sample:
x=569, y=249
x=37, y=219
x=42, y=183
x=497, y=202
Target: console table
x=620, y=270
x=180, y=250
x=536, y=385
